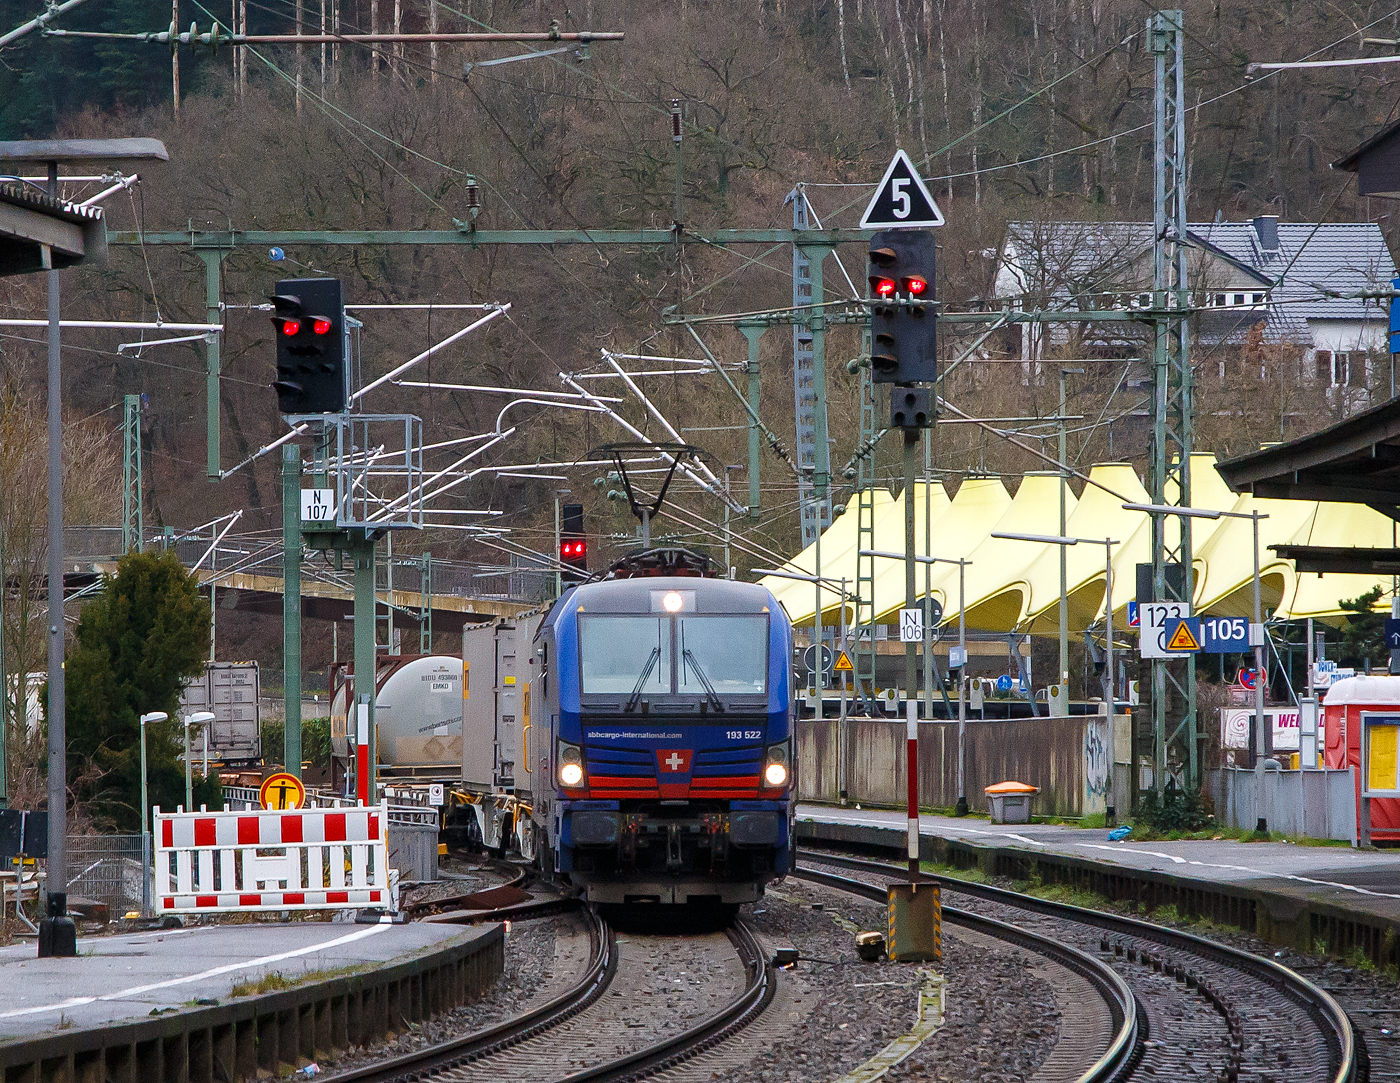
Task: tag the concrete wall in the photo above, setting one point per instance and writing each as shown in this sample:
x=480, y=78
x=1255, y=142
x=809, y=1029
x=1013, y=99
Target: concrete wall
x=1068, y=758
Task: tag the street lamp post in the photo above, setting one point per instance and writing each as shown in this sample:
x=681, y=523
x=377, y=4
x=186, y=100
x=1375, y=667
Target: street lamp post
x=1064, y=526
x=1110, y=695
x=153, y=716
x=1256, y=637
x=1108, y=544
x=962, y=564
x=198, y=718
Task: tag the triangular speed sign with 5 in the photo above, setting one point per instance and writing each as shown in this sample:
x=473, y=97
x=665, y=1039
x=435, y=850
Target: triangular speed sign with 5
x=901, y=200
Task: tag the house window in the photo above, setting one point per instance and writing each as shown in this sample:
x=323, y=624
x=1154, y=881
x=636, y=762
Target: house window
x=1258, y=298
x=1219, y=300
x=1239, y=298
x=1323, y=361
x=1351, y=370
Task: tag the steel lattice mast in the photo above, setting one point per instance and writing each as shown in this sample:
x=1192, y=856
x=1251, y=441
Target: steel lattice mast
x=1173, y=688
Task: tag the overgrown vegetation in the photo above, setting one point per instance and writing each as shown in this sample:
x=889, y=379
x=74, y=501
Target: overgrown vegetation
x=1363, y=638
x=315, y=742
x=137, y=641
x=1176, y=810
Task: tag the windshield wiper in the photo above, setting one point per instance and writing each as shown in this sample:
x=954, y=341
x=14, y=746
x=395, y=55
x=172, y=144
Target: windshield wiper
x=642, y=680
x=710, y=693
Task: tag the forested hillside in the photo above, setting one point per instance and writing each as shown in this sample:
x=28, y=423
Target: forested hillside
x=1012, y=110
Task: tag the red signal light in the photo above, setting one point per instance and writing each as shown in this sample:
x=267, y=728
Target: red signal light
x=915, y=286
x=321, y=326
x=884, y=287
x=291, y=327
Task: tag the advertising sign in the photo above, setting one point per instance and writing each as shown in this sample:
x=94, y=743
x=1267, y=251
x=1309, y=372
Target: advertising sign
x=1283, y=722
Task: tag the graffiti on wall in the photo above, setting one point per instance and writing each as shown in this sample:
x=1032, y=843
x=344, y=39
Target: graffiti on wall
x=1098, y=767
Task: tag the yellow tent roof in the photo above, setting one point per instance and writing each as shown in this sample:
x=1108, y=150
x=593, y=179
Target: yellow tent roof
x=838, y=546
x=1318, y=596
x=1099, y=514
x=1208, y=491
x=977, y=507
x=997, y=587
x=888, y=533
x=1011, y=584
x=1226, y=587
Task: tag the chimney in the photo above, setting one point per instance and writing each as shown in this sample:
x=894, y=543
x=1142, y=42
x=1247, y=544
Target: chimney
x=1266, y=230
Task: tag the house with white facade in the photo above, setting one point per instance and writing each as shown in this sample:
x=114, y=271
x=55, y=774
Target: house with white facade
x=1301, y=283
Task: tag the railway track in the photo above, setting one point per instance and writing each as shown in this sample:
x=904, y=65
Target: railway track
x=545, y=1043
x=1111, y=1058
x=1204, y=1010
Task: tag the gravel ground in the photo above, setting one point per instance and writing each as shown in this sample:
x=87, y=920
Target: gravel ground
x=533, y=972
x=1002, y=1020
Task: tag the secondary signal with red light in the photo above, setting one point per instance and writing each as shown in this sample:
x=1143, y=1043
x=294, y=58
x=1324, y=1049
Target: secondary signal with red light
x=291, y=327
x=882, y=287
x=915, y=286
x=321, y=326
x=573, y=544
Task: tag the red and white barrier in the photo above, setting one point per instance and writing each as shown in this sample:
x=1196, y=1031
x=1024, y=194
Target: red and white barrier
x=320, y=859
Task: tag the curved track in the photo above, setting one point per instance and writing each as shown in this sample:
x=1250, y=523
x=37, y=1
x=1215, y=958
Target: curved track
x=536, y=1044
x=1113, y=1062
x=1202, y=1005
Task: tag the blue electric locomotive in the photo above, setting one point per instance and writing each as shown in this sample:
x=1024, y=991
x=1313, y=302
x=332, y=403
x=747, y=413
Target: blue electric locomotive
x=668, y=702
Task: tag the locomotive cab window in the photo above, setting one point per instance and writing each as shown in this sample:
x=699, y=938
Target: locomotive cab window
x=731, y=653
x=622, y=654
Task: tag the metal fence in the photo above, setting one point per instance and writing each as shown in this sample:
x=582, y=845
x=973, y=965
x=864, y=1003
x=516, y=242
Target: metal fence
x=110, y=869
x=1319, y=804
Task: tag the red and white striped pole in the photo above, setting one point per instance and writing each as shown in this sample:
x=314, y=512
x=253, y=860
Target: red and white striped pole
x=362, y=750
x=911, y=712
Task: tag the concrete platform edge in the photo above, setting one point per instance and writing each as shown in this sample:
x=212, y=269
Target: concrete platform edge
x=1287, y=917
x=270, y=1033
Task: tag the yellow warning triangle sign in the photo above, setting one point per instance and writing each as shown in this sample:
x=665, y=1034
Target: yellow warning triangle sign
x=843, y=663
x=1182, y=639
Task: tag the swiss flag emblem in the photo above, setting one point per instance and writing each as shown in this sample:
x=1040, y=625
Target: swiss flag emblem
x=673, y=761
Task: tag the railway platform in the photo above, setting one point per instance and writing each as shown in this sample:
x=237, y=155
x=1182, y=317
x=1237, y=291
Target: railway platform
x=1302, y=896
x=134, y=976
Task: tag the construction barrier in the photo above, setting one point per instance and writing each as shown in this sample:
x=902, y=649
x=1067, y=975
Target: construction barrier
x=299, y=859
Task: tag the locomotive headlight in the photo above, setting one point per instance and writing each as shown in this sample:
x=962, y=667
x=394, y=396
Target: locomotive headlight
x=672, y=601
x=775, y=770
x=570, y=761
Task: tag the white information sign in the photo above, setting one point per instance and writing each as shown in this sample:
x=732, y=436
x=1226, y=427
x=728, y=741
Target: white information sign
x=1326, y=674
x=911, y=625
x=1156, y=619
x=318, y=505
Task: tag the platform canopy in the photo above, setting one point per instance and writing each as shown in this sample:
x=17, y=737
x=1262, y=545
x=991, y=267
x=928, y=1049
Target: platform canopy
x=1354, y=464
x=1014, y=586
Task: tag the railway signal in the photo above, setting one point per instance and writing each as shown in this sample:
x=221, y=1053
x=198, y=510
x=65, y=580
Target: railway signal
x=309, y=324
x=573, y=544
x=903, y=327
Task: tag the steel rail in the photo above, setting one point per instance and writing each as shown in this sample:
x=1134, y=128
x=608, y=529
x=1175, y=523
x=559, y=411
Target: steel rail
x=1330, y=1016
x=1116, y=1062
x=729, y=1020
x=457, y=1051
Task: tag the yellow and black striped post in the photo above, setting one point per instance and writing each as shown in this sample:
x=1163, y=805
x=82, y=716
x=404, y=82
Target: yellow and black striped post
x=916, y=923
